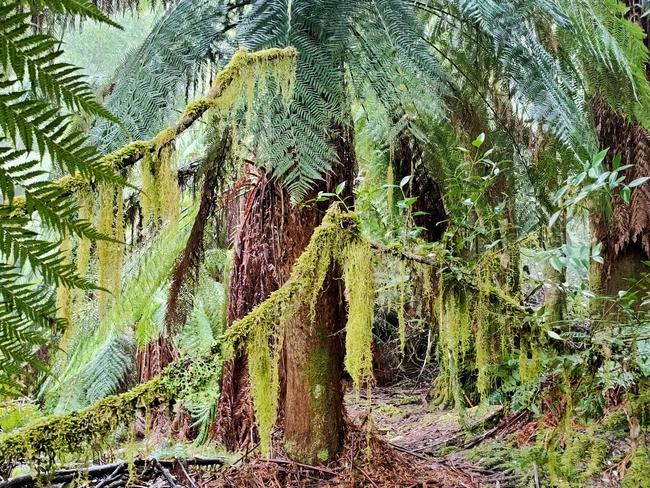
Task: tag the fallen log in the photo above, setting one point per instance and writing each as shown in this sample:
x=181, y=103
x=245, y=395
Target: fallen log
x=109, y=470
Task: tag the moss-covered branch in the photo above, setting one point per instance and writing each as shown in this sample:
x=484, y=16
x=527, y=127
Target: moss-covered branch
x=464, y=278
x=228, y=84
x=46, y=440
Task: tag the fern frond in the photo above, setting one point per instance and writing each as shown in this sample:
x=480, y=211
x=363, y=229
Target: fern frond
x=37, y=91
x=174, y=55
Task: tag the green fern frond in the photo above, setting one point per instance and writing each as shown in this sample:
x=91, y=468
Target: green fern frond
x=173, y=56
x=37, y=92
x=83, y=9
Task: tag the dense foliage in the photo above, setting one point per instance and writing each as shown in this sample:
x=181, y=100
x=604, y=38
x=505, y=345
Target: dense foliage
x=494, y=234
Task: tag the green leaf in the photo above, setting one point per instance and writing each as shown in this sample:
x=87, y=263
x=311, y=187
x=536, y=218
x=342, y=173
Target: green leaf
x=554, y=218
x=626, y=194
x=340, y=187
x=638, y=181
x=478, y=142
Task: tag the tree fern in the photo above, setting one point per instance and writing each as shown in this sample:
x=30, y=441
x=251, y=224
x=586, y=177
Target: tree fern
x=77, y=374
x=611, y=53
x=293, y=146
x=37, y=92
x=175, y=55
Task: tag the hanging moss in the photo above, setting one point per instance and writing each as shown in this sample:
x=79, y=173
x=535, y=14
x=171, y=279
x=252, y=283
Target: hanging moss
x=83, y=248
x=63, y=295
x=168, y=193
x=110, y=252
x=454, y=332
x=483, y=351
x=360, y=294
x=104, y=249
x=401, y=317
x=55, y=436
x=244, y=68
x=265, y=385
x=149, y=194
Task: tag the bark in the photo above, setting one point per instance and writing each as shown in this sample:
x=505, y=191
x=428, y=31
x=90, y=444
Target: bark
x=408, y=159
x=624, y=230
x=272, y=235
x=253, y=277
x=627, y=226
x=625, y=234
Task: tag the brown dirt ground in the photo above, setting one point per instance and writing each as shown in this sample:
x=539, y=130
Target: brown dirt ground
x=405, y=449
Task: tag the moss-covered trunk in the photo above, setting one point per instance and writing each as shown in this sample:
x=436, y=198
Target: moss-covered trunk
x=273, y=233
x=313, y=359
x=253, y=277
x=312, y=406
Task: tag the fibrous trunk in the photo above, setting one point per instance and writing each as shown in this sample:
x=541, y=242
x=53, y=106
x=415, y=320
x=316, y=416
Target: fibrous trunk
x=624, y=229
x=272, y=235
x=253, y=277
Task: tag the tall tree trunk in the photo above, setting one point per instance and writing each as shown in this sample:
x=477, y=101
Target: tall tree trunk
x=625, y=234
x=625, y=231
x=272, y=235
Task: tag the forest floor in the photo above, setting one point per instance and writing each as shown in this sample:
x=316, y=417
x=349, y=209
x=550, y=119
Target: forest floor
x=403, y=417
x=413, y=446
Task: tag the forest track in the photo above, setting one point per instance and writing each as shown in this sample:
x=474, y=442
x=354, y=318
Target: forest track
x=402, y=416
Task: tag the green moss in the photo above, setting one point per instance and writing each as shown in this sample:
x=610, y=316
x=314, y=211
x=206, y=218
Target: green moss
x=638, y=473
x=42, y=441
x=197, y=107
x=129, y=153
x=454, y=325
x=163, y=138
x=72, y=184
x=56, y=436
x=389, y=410
x=324, y=455
x=360, y=293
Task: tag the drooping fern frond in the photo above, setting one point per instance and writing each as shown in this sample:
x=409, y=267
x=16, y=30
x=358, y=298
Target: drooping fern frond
x=76, y=372
x=37, y=92
x=174, y=55
x=611, y=53
x=293, y=145
x=546, y=92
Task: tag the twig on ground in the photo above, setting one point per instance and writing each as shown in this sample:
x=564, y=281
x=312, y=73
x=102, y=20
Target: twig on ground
x=305, y=466
x=165, y=473
x=112, y=477
x=187, y=476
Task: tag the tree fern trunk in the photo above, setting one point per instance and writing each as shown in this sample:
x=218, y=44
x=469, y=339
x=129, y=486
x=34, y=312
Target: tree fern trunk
x=253, y=277
x=624, y=230
x=272, y=234
x=313, y=352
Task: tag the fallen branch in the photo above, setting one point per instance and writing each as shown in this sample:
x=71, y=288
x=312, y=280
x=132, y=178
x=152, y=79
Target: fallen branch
x=94, y=472
x=287, y=462
x=170, y=479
